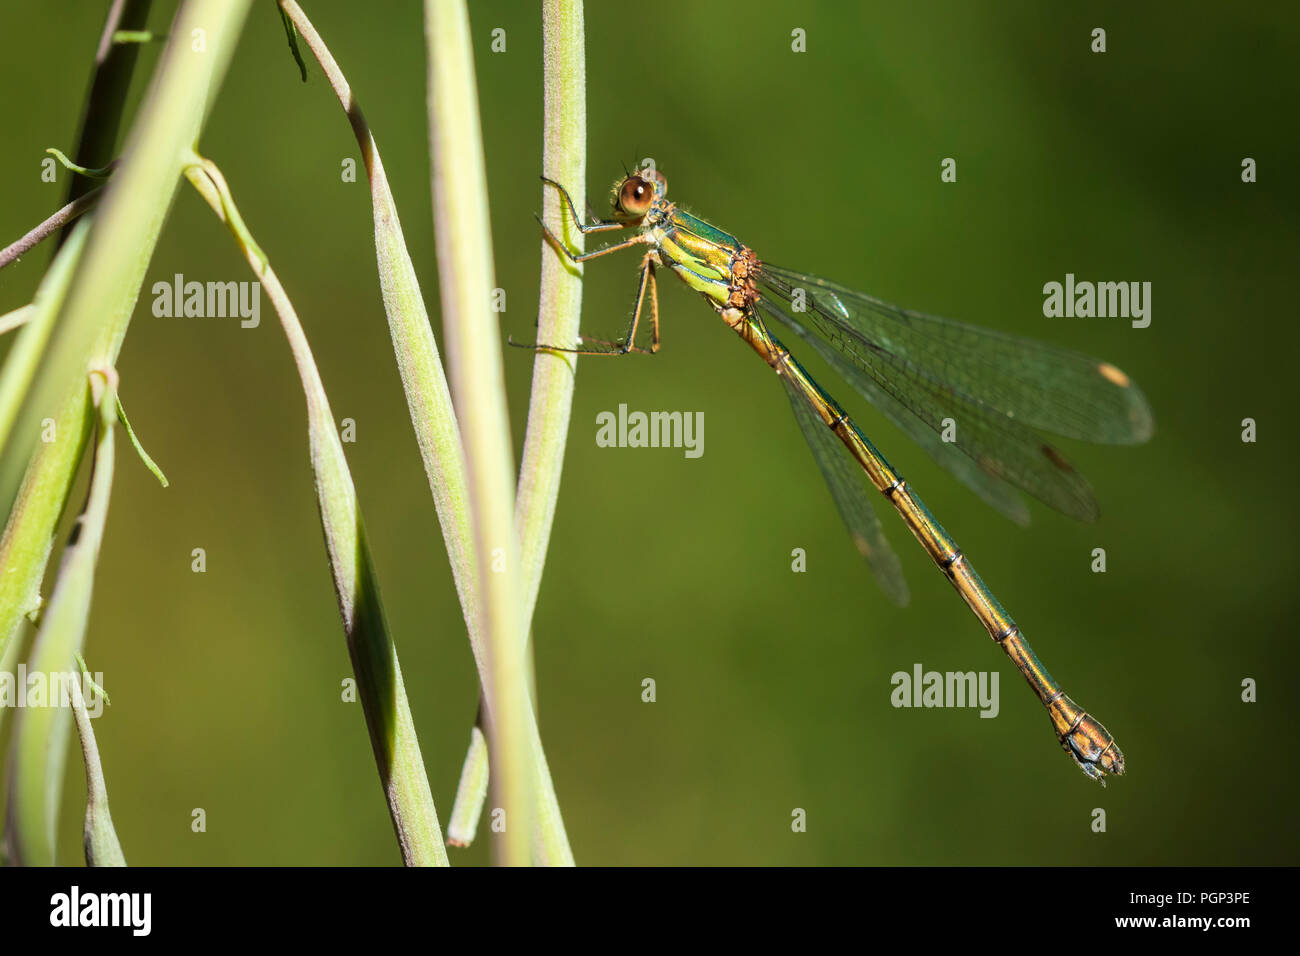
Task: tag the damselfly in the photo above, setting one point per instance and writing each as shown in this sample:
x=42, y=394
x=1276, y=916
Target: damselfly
x=973, y=398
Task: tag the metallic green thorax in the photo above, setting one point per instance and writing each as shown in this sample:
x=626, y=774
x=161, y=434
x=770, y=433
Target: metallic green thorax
x=700, y=253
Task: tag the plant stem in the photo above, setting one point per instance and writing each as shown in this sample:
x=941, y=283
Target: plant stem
x=41, y=733
x=471, y=792
x=110, y=81
x=564, y=89
x=427, y=397
x=23, y=362
x=106, y=284
x=29, y=533
x=101, y=296
x=98, y=836
x=473, y=348
x=62, y=217
x=370, y=644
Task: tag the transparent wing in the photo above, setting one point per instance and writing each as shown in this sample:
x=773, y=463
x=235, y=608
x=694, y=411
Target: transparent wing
x=1031, y=382
x=850, y=491
x=999, y=444
x=993, y=490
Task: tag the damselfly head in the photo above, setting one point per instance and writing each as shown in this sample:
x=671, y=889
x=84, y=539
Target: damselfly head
x=636, y=193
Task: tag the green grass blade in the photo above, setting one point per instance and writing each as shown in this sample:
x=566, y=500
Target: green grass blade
x=139, y=448
x=427, y=396
x=471, y=791
x=460, y=212
x=98, y=836
x=41, y=732
x=106, y=282
x=374, y=656
x=24, y=358
x=564, y=159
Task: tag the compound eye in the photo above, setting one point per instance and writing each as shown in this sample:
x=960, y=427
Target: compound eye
x=635, y=196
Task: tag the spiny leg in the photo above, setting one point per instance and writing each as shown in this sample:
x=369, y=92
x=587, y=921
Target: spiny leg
x=638, y=240
x=629, y=343
x=650, y=282
x=648, y=272
x=600, y=225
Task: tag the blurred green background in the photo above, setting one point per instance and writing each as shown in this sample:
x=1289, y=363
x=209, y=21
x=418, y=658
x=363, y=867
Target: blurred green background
x=773, y=687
